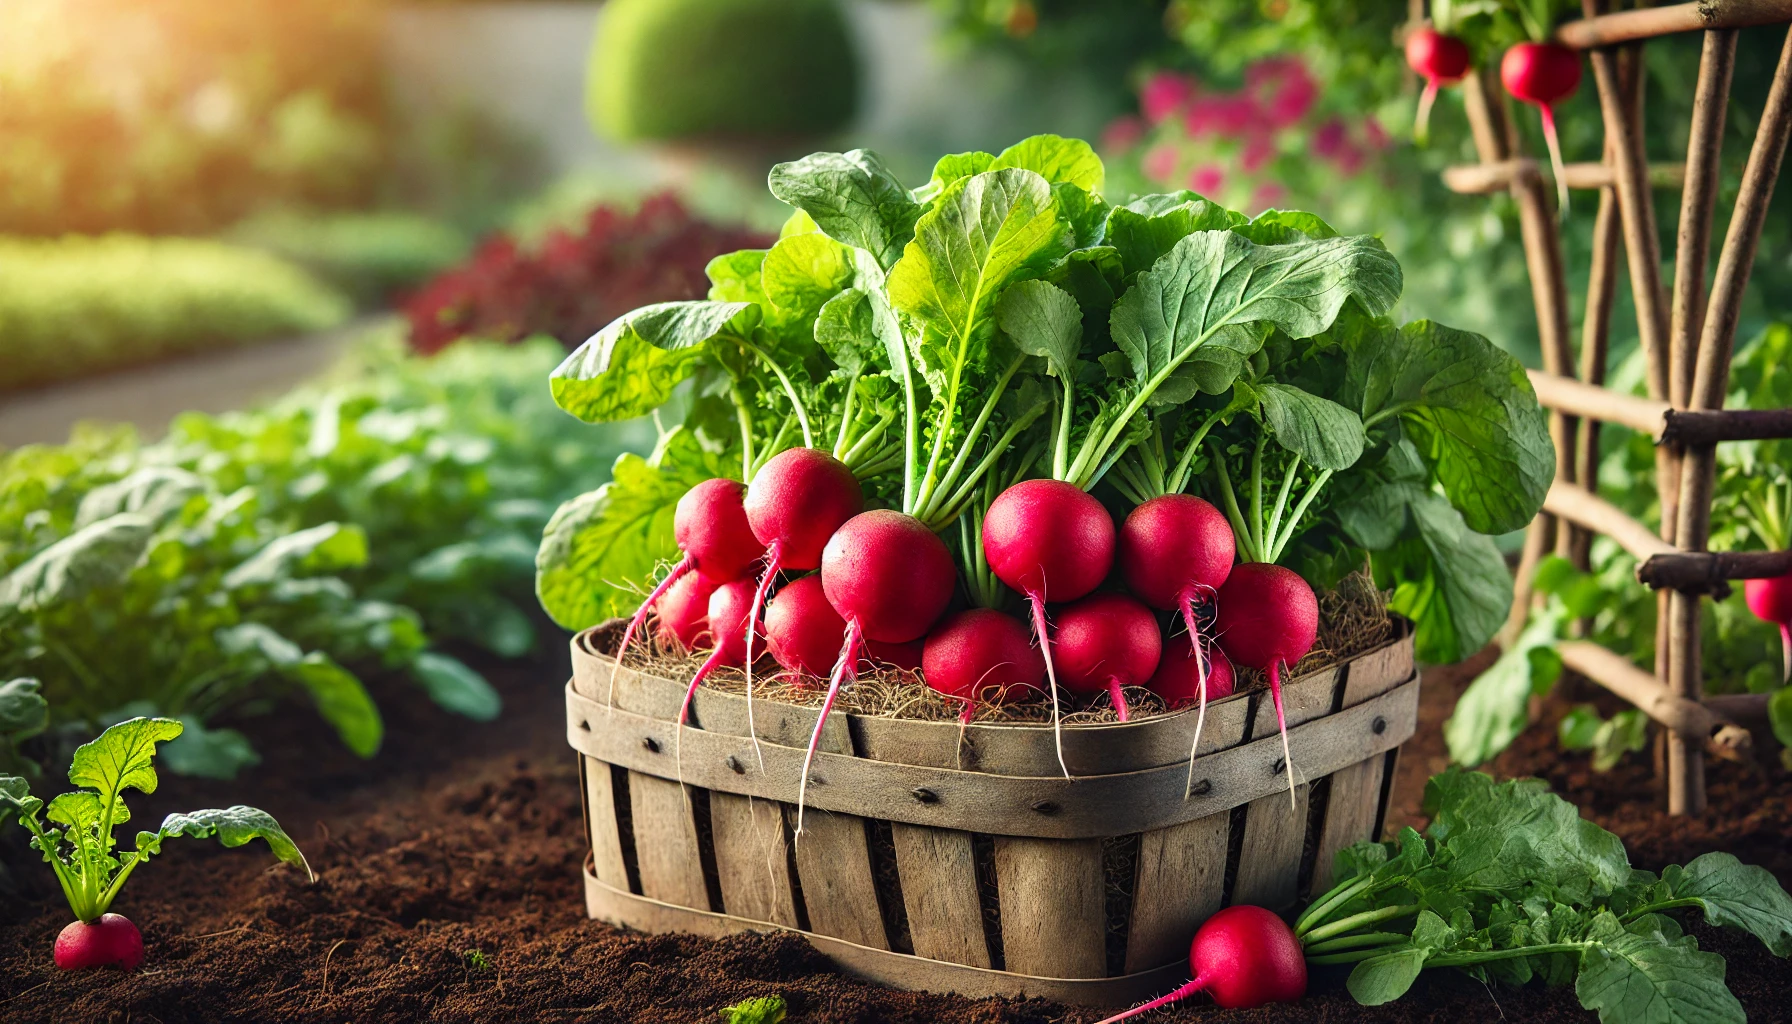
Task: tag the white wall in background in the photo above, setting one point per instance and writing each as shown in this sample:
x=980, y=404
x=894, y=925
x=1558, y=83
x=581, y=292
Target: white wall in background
x=523, y=63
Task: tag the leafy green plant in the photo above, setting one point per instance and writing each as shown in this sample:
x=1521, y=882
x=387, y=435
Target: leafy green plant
x=369, y=256
x=76, y=839
x=1509, y=884
x=760, y=1010
x=1582, y=728
x=74, y=306
x=23, y=714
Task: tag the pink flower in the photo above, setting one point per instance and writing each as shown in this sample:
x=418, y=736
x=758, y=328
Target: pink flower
x=1207, y=179
x=1285, y=90
x=1121, y=134
x=1267, y=195
x=1160, y=162
x=1376, y=134
x=1225, y=115
x=1329, y=139
x=1259, y=149
x=1165, y=93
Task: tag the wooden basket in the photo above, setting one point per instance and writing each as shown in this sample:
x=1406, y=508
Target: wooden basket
x=965, y=862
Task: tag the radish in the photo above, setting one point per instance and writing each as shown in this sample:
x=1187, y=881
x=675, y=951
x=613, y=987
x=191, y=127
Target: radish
x=796, y=502
x=1049, y=540
x=1268, y=619
x=1440, y=60
x=684, y=612
x=710, y=525
x=1106, y=642
x=981, y=654
x=890, y=578
x=1176, y=551
x=903, y=656
x=1771, y=601
x=1244, y=957
x=1182, y=678
x=1544, y=74
x=727, y=612
x=802, y=630
x=107, y=941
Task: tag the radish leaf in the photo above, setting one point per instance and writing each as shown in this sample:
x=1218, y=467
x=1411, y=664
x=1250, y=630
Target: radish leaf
x=1645, y=976
x=1734, y=895
x=852, y=197
x=631, y=366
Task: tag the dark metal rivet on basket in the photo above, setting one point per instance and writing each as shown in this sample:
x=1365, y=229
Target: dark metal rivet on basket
x=652, y=745
x=925, y=795
x=585, y=725
x=1202, y=788
x=1281, y=766
x=735, y=766
x=1045, y=807
x=1379, y=726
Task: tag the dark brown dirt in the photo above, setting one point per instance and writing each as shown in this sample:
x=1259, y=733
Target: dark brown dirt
x=462, y=838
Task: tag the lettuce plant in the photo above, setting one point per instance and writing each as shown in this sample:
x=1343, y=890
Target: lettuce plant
x=75, y=833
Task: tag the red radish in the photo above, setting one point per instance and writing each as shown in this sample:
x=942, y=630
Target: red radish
x=1050, y=541
x=1175, y=553
x=796, y=502
x=1179, y=677
x=1544, y=74
x=107, y=941
x=1771, y=601
x=1107, y=642
x=710, y=525
x=903, y=656
x=890, y=578
x=1268, y=619
x=1440, y=60
x=684, y=613
x=727, y=617
x=802, y=630
x=1243, y=957
x=980, y=654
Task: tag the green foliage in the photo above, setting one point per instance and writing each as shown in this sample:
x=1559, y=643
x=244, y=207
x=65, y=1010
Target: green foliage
x=75, y=306
x=369, y=256
x=1509, y=883
x=289, y=550
x=762, y=1010
x=83, y=853
x=722, y=69
x=23, y=714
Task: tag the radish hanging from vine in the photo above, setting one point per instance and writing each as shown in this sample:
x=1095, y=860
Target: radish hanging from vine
x=1544, y=74
x=1440, y=59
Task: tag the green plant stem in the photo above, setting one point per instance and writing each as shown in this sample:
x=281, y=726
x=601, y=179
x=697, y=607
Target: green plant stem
x=1339, y=896
x=870, y=437
x=1247, y=548
x=1179, y=476
x=745, y=418
x=1256, y=523
x=1655, y=908
x=802, y=415
x=852, y=390
x=956, y=503
x=1350, y=957
x=911, y=434
x=1344, y=942
x=1487, y=956
x=1362, y=920
x=47, y=846
x=930, y=499
x=1061, y=451
x=1275, y=515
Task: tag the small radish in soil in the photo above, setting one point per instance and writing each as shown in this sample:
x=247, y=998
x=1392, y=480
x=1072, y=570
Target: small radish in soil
x=890, y=578
x=982, y=654
x=1771, y=601
x=802, y=630
x=796, y=502
x=1176, y=551
x=1050, y=541
x=710, y=525
x=1268, y=620
x=684, y=613
x=108, y=941
x=1440, y=60
x=1544, y=74
x=1107, y=642
x=1243, y=957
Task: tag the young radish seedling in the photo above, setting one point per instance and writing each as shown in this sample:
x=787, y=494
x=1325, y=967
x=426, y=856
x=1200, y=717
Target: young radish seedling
x=1107, y=642
x=795, y=503
x=711, y=527
x=982, y=654
x=1268, y=620
x=1243, y=957
x=1544, y=74
x=1440, y=60
x=77, y=840
x=890, y=578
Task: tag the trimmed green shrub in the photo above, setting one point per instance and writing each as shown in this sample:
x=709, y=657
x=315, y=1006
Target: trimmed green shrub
x=78, y=305
x=368, y=255
x=721, y=69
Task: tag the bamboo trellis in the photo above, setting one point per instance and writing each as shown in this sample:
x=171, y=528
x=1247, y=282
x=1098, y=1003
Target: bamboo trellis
x=1687, y=335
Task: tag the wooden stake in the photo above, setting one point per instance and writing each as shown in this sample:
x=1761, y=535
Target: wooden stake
x=1661, y=21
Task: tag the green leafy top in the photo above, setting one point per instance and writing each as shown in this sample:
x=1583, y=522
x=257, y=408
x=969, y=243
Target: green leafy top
x=81, y=852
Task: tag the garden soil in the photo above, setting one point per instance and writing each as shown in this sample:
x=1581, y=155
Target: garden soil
x=448, y=889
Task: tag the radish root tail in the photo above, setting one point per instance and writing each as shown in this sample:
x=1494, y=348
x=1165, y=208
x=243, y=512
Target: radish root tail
x=1177, y=996
x=685, y=564
x=1555, y=158
x=1037, y=602
x=845, y=670
x=765, y=582
x=1197, y=644
x=684, y=710
x=1421, y=125
x=1275, y=694
x=1117, y=694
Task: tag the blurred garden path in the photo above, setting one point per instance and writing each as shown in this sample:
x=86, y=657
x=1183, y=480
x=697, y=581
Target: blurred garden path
x=149, y=397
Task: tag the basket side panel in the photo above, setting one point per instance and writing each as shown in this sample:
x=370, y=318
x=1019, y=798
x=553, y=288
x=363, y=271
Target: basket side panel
x=939, y=890
x=666, y=842
x=1275, y=829
x=833, y=863
x=1054, y=910
x=752, y=859
x=600, y=811
x=1349, y=814
x=1181, y=882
